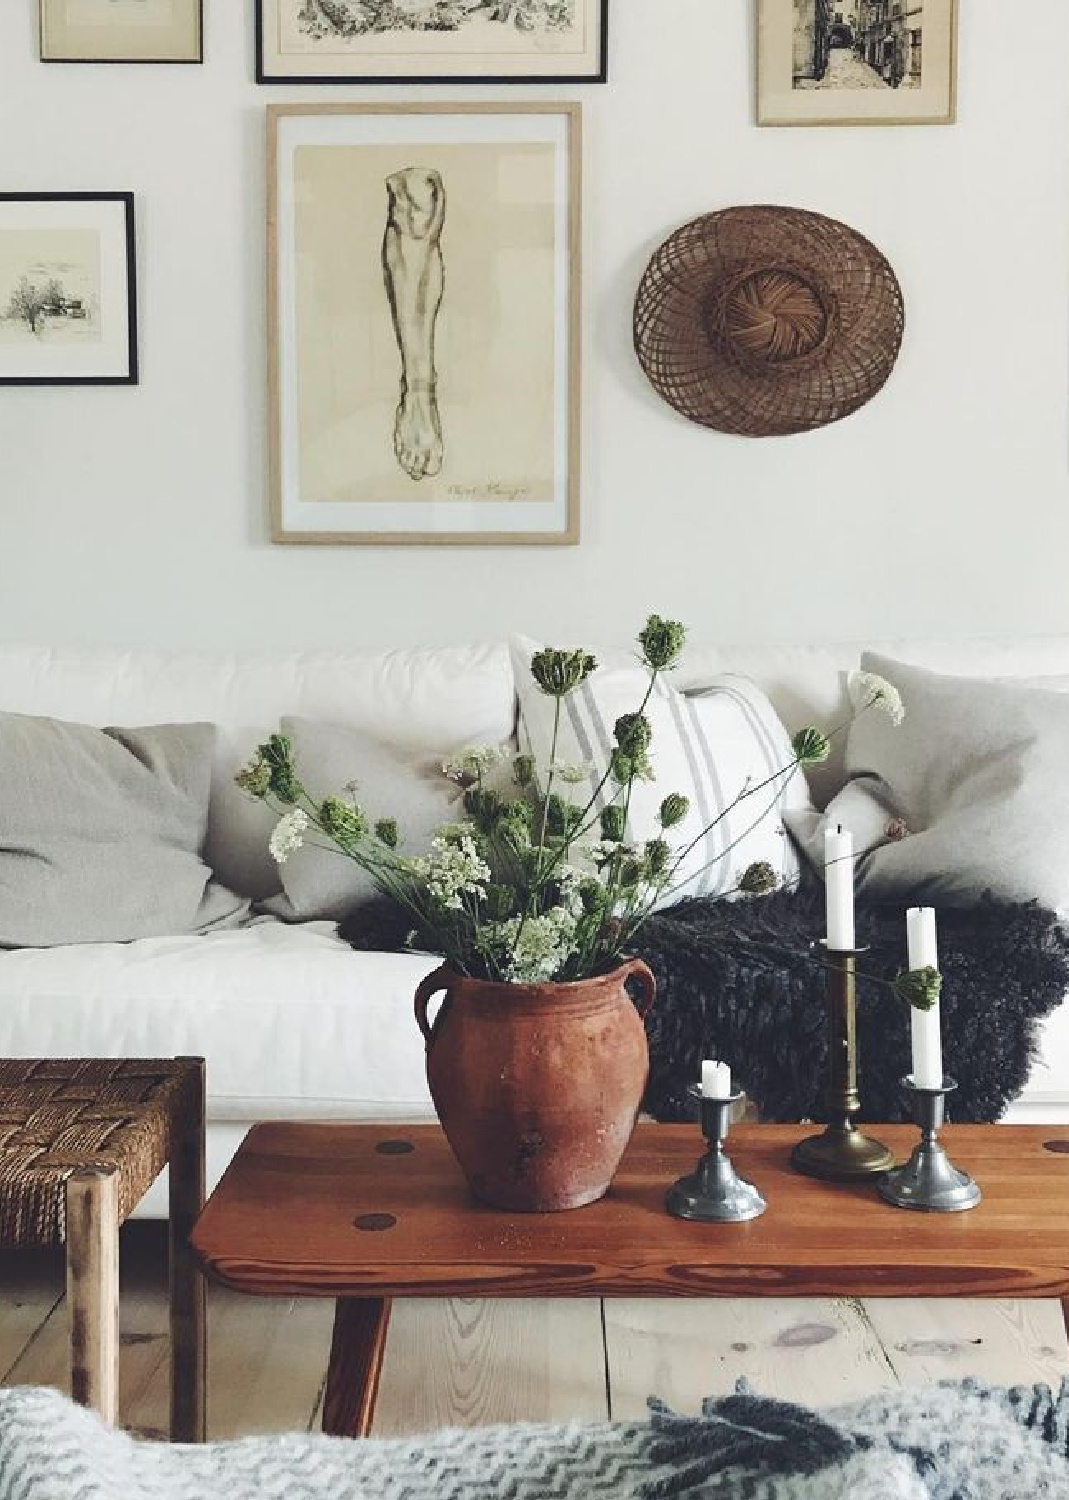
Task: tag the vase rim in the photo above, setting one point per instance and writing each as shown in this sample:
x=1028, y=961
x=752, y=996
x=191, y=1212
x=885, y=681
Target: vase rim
x=560, y=989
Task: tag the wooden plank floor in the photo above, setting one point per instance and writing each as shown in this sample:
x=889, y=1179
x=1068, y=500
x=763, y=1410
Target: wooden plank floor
x=464, y=1362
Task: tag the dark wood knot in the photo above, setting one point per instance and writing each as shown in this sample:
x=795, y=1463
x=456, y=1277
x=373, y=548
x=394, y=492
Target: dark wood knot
x=375, y=1221
x=1060, y=1148
x=394, y=1148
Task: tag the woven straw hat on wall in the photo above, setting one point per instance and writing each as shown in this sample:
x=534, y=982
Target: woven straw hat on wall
x=766, y=321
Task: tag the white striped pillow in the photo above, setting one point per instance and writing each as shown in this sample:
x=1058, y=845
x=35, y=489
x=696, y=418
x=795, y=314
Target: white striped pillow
x=712, y=745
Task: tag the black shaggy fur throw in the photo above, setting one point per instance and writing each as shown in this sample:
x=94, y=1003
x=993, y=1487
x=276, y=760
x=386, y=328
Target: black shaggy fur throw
x=743, y=981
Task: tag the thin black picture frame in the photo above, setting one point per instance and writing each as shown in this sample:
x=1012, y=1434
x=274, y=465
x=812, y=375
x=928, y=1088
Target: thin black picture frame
x=133, y=375
x=555, y=79
x=121, y=62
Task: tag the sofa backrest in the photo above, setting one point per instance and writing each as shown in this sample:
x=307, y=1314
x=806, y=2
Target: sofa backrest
x=433, y=698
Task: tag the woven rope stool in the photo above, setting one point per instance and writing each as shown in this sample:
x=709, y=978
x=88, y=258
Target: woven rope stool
x=81, y=1141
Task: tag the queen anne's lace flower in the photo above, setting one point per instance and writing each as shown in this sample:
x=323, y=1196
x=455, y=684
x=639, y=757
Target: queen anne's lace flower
x=870, y=690
x=540, y=945
x=288, y=835
x=452, y=870
x=471, y=763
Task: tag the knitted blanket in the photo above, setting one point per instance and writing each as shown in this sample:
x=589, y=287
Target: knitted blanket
x=961, y=1441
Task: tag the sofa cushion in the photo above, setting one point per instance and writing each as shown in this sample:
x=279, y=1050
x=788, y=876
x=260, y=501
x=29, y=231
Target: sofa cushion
x=723, y=747
x=292, y=1022
x=101, y=832
x=968, y=794
x=388, y=781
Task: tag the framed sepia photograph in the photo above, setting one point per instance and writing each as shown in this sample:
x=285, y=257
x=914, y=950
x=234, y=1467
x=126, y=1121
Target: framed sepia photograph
x=432, y=41
x=423, y=291
x=856, y=62
x=122, y=31
x=68, y=303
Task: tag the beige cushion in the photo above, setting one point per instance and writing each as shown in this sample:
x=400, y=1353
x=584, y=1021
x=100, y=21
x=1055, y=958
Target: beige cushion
x=977, y=772
x=101, y=832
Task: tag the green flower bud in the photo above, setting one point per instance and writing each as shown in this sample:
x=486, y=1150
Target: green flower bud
x=632, y=873
x=811, y=747
x=278, y=754
x=662, y=642
x=386, y=832
x=613, y=821
x=592, y=895
x=345, y=823
x=674, y=809
x=633, y=733
x=561, y=817
x=658, y=858
x=559, y=673
x=483, y=806
x=255, y=778
x=758, y=879
x=919, y=987
x=625, y=768
x=523, y=770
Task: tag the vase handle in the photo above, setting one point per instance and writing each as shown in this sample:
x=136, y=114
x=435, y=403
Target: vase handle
x=439, y=980
x=643, y=974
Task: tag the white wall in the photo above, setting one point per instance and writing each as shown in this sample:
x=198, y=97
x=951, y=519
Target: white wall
x=138, y=515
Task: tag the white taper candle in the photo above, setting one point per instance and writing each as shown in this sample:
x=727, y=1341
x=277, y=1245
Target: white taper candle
x=839, y=888
x=716, y=1080
x=923, y=951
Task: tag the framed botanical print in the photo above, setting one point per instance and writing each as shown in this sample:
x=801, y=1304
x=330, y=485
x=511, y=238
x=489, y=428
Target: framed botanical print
x=432, y=41
x=856, y=62
x=68, y=303
x=122, y=31
x=423, y=286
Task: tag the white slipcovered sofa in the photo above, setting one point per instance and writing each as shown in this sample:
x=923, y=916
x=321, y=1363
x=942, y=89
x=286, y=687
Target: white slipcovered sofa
x=293, y=1023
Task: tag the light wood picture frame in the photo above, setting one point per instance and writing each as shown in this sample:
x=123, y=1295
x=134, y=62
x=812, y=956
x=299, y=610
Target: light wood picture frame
x=857, y=62
x=121, y=31
x=424, y=323
x=68, y=289
x=432, y=41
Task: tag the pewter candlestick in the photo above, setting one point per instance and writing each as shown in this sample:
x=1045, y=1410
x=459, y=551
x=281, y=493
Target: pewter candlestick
x=841, y=1153
x=928, y=1181
x=714, y=1192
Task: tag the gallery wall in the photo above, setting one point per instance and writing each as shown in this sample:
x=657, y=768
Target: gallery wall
x=942, y=508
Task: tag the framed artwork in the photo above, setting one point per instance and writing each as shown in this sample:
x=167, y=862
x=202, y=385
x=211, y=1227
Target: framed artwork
x=856, y=62
x=423, y=289
x=122, y=31
x=432, y=41
x=68, y=300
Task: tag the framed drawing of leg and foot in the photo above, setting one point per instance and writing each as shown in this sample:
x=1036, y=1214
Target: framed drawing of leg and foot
x=424, y=323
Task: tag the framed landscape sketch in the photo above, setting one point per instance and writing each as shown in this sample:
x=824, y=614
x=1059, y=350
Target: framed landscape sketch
x=423, y=289
x=67, y=289
x=432, y=41
x=856, y=62
x=123, y=31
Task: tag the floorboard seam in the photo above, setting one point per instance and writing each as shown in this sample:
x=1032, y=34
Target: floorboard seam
x=605, y=1358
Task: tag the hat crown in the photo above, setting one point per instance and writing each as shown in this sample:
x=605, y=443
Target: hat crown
x=774, y=316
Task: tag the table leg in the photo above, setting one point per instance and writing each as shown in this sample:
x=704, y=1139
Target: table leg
x=186, y=1182
x=356, y=1353
x=93, y=1290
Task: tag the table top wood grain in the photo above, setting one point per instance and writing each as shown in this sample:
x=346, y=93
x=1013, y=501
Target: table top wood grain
x=382, y=1210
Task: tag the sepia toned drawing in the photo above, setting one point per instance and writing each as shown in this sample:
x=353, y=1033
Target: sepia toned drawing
x=414, y=272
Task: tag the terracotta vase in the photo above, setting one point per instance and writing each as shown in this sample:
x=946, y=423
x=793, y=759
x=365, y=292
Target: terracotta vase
x=537, y=1086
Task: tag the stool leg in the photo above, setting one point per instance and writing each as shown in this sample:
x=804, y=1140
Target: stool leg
x=93, y=1290
x=187, y=1284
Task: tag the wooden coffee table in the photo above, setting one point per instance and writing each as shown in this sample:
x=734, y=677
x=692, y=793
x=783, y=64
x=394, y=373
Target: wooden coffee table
x=365, y=1213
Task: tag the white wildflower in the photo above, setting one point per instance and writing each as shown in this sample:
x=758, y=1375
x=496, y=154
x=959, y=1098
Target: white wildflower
x=870, y=690
x=470, y=764
x=288, y=835
x=540, y=945
x=454, y=869
x=573, y=774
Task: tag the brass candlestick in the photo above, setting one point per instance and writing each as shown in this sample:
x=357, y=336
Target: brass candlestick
x=841, y=1153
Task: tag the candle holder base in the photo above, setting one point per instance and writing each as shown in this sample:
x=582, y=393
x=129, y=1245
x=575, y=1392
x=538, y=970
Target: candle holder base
x=929, y=1182
x=841, y=1154
x=714, y=1193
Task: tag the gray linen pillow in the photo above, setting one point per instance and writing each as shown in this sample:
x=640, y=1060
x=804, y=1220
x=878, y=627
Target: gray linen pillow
x=978, y=772
x=388, y=782
x=101, y=832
